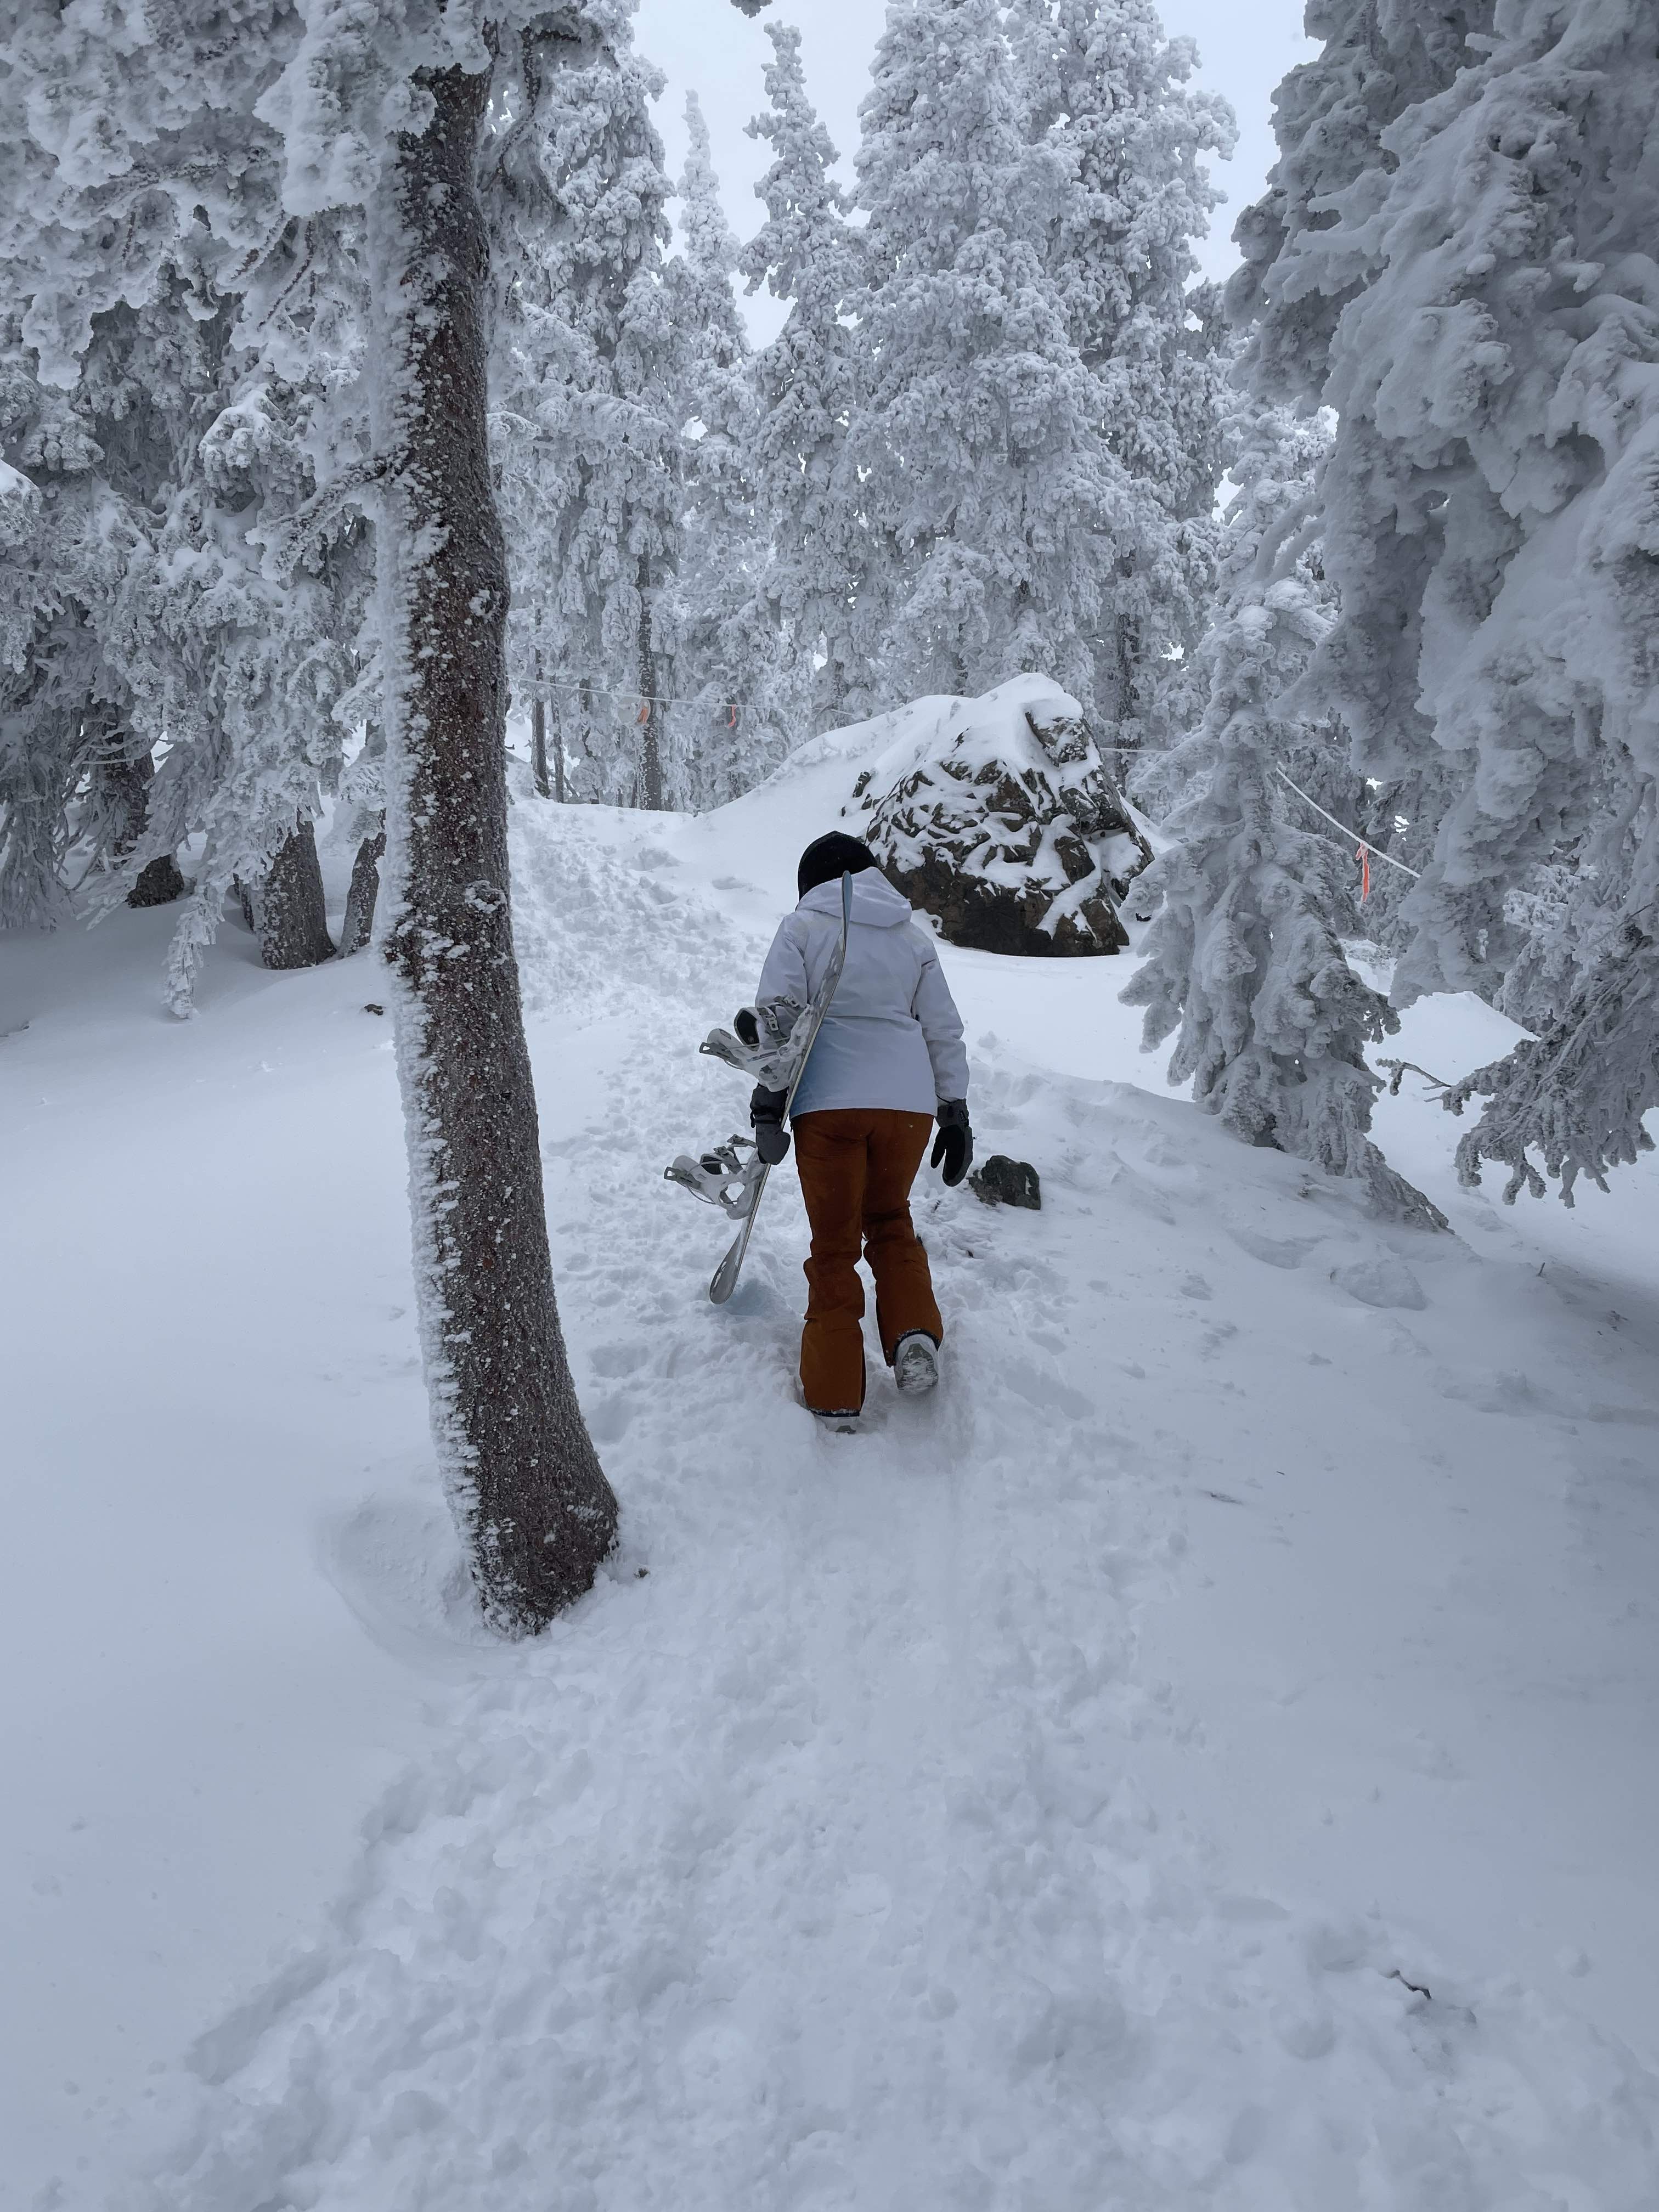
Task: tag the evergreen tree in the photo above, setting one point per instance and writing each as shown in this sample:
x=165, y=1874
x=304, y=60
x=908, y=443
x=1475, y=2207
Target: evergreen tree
x=1007, y=529
x=80, y=674
x=1276, y=462
x=652, y=454
x=584, y=394
x=725, y=729
x=322, y=173
x=805, y=382
x=1473, y=297
x=49, y=666
x=1244, y=954
x=1102, y=82
x=262, y=591
x=189, y=594
x=973, y=404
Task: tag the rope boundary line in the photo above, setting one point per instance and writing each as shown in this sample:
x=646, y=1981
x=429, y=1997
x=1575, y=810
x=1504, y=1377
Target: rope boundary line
x=645, y=698
x=1364, y=843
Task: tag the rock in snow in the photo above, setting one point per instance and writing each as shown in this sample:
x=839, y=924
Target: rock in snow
x=1007, y=827
x=1002, y=1182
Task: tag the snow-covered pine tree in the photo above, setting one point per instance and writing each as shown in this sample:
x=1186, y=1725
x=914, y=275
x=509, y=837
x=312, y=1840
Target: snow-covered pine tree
x=215, y=160
x=989, y=491
x=532, y=359
x=1273, y=458
x=584, y=395
x=1483, y=287
x=1006, y=531
x=805, y=382
x=652, y=452
x=1332, y=115
x=1276, y=458
x=85, y=470
x=261, y=592
x=1100, y=80
x=189, y=599
x=49, y=665
x=1244, y=955
x=725, y=731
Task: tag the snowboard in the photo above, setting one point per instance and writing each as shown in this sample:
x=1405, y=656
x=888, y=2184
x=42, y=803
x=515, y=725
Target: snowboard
x=721, y=1176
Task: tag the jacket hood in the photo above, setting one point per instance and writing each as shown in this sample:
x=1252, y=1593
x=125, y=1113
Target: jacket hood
x=875, y=901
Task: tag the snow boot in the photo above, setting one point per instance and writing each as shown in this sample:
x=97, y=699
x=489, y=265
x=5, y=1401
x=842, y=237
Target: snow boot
x=916, y=1363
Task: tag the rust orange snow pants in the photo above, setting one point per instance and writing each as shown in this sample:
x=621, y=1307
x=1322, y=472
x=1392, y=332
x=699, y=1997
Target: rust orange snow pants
x=856, y=1169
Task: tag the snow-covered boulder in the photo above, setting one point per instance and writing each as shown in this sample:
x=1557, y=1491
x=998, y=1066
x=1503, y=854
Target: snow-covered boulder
x=1004, y=823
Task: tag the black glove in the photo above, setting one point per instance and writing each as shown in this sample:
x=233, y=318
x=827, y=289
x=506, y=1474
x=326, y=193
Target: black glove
x=954, y=1144
x=766, y=1119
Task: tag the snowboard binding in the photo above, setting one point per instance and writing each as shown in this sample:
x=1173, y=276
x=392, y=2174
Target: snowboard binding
x=720, y=1176
x=767, y=1042
x=770, y=1043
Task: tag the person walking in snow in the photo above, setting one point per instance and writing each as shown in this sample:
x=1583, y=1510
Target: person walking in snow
x=887, y=1062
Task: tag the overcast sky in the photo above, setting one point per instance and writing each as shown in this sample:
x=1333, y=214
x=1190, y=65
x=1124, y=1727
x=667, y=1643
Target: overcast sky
x=1245, y=47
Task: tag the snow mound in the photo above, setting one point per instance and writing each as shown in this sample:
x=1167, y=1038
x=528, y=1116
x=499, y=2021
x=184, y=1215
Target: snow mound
x=1383, y=1280
x=1004, y=823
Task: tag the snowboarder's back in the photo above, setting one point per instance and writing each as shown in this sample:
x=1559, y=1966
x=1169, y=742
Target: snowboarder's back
x=888, y=1060
x=893, y=1037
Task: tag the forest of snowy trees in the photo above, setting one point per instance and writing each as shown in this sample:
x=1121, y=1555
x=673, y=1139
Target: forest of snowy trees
x=355, y=389
x=986, y=439
x=1439, y=607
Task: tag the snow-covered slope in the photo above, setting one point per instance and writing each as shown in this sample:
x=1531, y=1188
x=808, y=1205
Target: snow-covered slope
x=1057, y=1796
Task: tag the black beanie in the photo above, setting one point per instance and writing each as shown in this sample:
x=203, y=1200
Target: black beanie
x=828, y=858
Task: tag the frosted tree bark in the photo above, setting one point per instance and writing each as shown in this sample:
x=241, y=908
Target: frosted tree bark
x=532, y=1500
x=538, y=745
x=289, y=916
x=159, y=881
x=651, y=751
x=363, y=896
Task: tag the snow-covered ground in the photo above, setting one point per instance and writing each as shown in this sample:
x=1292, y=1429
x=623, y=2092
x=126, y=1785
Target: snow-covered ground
x=1058, y=1797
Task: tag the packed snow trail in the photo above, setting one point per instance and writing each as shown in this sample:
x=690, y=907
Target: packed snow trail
x=829, y=1854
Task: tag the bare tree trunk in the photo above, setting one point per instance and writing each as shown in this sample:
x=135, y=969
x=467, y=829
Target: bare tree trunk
x=286, y=907
x=558, y=756
x=538, y=744
x=651, y=759
x=159, y=881
x=531, y=1498
x=126, y=781
x=358, y=924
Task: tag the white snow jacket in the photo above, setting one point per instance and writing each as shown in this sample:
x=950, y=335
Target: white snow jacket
x=893, y=1037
